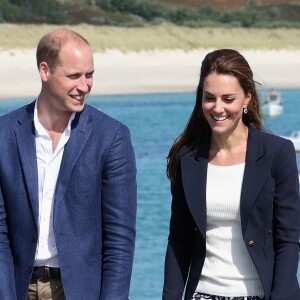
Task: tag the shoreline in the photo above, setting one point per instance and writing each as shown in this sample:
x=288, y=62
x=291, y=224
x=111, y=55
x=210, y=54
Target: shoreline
x=154, y=71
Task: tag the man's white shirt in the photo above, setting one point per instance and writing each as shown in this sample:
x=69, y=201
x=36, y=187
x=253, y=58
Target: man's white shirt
x=48, y=164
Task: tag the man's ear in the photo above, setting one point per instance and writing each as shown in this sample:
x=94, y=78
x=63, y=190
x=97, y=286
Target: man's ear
x=44, y=71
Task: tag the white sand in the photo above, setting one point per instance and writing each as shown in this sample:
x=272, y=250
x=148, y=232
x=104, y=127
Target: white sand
x=149, y=71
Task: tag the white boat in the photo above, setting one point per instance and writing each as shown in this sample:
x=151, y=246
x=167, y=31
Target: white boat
x=295, y=138
x=272, y=105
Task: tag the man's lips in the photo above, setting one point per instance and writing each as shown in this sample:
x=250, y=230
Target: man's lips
x=77, y=97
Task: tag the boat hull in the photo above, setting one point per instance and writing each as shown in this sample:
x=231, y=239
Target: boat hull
x=272, y=110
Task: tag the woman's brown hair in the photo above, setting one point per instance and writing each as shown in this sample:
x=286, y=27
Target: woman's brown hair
x=226, y=62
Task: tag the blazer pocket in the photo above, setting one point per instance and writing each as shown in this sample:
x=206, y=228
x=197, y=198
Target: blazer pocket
x=268, y=245
x=85, y=169
x=269, y=184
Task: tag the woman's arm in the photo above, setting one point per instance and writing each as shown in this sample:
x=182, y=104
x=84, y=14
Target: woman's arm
x=180, y=243
x=286, y=222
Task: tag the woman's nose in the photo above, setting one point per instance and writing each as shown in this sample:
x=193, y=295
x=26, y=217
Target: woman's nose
x=219, y=108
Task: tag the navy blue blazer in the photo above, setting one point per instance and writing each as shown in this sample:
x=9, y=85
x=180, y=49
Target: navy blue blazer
x=94, y=209
x=270, y=218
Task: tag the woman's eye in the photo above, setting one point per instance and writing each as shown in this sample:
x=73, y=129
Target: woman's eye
x=207, y=98
x=229, y=99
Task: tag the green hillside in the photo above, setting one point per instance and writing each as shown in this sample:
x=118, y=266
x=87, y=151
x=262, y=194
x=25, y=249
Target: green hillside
x=162, y=37
x=138, y=13
x=226, y=4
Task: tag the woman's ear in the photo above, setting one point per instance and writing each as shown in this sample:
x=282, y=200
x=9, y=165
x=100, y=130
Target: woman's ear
x=247, y=99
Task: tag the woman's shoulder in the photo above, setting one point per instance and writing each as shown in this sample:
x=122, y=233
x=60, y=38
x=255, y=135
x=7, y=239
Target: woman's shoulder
x=273, y=142
x=184, y=152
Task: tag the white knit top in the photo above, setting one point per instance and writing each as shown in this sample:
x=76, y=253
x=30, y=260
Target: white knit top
x=228, y=269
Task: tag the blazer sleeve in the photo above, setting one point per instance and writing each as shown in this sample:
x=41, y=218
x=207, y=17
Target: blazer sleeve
x=119, y=203
x=180, y=243
x=286, y=225
x=7, y=280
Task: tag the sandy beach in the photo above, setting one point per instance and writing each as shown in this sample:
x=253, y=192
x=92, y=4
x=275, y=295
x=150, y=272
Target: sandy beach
x=147, y=71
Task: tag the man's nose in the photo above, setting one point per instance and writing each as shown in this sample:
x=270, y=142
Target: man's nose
x=84, y=84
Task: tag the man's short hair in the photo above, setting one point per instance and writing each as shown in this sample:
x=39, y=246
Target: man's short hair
x=50, y=45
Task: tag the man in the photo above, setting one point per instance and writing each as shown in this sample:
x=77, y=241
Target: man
x=68, y=187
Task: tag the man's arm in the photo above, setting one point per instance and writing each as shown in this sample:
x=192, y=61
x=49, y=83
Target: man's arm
x=7, y=280
x=119, y=201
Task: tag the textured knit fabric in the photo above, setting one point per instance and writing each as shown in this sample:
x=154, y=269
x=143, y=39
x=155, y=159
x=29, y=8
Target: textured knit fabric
x=228, y=269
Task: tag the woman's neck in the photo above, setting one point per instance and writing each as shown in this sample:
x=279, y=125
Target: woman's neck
x=228, y=150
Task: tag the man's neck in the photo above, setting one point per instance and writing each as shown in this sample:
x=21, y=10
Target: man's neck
x=52, y=120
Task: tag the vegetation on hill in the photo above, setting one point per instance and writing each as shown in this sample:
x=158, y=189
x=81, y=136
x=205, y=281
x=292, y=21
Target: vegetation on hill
x=135, y=13
x=161, y=37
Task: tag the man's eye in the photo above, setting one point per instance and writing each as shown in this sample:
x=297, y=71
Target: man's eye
x=75, y=76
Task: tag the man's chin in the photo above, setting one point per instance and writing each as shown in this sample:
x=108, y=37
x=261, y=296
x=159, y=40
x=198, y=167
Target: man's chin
x=78, y=107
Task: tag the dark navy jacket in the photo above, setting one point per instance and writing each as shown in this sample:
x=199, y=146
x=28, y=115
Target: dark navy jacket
x=270, y=218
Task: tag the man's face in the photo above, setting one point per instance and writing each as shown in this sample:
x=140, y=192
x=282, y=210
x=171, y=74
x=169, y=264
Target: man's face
x=67, y=86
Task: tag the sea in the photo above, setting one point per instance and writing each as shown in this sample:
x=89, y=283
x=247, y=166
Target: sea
x=155, y=120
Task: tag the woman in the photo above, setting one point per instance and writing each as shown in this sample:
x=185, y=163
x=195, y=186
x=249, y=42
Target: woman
x=235, y=222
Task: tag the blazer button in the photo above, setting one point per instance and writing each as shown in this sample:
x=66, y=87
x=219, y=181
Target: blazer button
x=269, y=231
x=251, y=243
x=30, y=269
x=34, y=238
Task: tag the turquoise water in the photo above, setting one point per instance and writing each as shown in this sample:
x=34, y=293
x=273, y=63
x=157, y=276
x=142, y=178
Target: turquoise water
x=155, y=120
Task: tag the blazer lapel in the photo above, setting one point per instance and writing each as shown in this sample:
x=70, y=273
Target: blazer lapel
x=194, y=174
x=255, y=174
x=80, y=133
x=25, y=137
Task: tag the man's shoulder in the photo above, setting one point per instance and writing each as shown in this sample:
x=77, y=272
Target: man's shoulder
x=17, y=114
x=101, y=117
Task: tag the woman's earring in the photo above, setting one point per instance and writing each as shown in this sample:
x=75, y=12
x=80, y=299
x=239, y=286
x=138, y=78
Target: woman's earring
x=245, y=110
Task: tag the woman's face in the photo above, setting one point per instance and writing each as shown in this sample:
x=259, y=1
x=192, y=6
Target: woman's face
x=223, y=101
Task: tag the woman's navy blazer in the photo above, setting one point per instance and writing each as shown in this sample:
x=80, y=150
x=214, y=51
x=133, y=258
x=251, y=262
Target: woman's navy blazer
x=270, y=217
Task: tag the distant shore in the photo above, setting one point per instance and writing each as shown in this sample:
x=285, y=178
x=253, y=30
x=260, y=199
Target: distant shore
x=147, y=71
